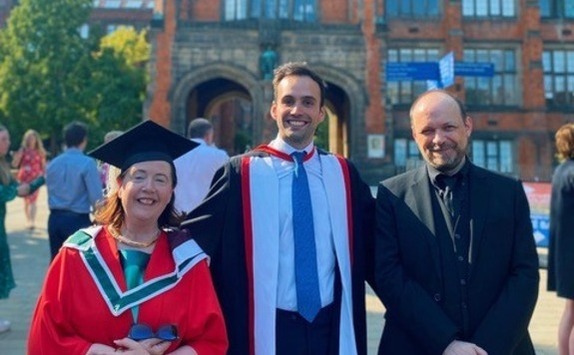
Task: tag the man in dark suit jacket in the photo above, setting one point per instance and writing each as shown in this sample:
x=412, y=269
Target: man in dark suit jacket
x=455, y=260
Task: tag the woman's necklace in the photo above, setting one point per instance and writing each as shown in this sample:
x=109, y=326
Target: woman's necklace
x=132, y=243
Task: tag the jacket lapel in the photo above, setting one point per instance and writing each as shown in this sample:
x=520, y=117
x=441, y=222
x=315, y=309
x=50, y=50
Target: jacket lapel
x=419, y=200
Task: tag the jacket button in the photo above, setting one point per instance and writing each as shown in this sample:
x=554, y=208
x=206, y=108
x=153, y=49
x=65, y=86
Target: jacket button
x=437, y=297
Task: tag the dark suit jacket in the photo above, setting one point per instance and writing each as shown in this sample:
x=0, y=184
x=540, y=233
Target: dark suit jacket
x=219, y=230
x=560, y=260
x=503, y=276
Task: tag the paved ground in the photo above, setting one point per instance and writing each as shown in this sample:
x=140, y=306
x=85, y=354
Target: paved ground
x=30, y=257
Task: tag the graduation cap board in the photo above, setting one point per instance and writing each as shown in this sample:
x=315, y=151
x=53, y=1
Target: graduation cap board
x=144, y=142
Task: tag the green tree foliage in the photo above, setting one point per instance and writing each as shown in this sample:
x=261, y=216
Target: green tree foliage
x=128, y=44
x=115, y=81
x=40, y=45
x=50, y=75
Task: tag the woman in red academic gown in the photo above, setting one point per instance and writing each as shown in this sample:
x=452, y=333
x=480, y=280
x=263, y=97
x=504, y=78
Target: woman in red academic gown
x=128, y=284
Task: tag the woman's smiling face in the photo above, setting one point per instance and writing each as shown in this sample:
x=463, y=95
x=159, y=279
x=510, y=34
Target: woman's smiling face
x=146, y=189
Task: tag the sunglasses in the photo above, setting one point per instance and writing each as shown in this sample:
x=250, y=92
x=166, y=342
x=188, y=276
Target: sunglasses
x=140, y=331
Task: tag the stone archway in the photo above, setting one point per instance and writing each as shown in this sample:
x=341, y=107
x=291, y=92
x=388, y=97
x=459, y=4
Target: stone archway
x=345, y=103
x=229, y=96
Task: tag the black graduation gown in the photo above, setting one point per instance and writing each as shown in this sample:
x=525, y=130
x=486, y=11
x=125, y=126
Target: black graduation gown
x=217, y=226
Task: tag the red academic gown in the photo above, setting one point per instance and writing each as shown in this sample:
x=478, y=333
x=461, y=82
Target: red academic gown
x=72, y=312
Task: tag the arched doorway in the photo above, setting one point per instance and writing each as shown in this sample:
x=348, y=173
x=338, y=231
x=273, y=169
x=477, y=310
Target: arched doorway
x=338, y=113
x=229, y=107
x=229, y=96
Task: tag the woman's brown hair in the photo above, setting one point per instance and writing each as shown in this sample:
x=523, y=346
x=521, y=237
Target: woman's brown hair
x=565, y=142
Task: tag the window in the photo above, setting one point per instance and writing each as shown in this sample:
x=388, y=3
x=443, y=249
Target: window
x=84, y=30
x=112, y=4
x=487, y=8
x=558, y=77
x=235, y=9
x=407, y=154
x=298, y=10
x=134, y=4
x=412, y=8
x=494, y=155
x=557, y=8
x=404, y=92
x=380, y=11
x=502, y=88
x=111, y=28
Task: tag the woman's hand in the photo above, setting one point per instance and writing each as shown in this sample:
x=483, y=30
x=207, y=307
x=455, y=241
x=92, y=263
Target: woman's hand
x=23, y=189
x=153, y=346
x=101, y=349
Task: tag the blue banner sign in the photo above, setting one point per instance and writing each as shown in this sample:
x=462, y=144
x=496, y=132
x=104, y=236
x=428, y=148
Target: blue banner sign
x=443, y=72
x=473, y=69
x=404, y=71
x=541, y=227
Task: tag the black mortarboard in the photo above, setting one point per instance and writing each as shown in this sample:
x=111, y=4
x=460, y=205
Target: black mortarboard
x=143, y=142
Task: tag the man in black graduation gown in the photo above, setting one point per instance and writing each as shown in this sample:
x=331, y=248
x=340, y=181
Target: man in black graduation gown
x=251, y=225
x=456, y=264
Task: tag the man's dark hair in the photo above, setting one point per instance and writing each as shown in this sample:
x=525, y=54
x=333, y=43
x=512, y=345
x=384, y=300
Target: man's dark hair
x=75, y=133
x=198, y=128
x=298, y=69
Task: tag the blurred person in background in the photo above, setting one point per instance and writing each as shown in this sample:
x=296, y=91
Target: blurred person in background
x=9, y=189
x=74, y=187
x=196, y=168
x=561, y=248
x=30, y=160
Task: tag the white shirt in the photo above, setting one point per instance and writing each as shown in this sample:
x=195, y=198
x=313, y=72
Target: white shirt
x=194, y=171
x=286, y=291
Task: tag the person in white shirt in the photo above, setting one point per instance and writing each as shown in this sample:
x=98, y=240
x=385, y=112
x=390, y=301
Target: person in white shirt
x=196, y=168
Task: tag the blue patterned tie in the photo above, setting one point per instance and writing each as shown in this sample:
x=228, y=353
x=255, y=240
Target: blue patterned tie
x=306, y=277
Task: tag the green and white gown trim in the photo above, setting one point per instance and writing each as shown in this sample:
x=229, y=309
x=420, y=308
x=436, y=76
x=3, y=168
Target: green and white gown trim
x=185, y=256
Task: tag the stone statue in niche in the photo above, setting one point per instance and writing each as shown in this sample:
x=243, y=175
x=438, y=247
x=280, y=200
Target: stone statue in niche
x=267, y=63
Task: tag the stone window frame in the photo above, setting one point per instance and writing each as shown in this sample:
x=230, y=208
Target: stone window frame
x=556, y=8
x=410, y=8
x=558, y=68
x=489, y=8
x=496, y=154
x=501, y=90
x=296, y=10
x=406, y=154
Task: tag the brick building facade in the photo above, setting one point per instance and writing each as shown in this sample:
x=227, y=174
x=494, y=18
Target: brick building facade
x=210, y=58
x=207, y=56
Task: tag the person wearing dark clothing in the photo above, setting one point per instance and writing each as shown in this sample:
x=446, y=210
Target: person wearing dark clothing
x=455, y=259
x=561, y=248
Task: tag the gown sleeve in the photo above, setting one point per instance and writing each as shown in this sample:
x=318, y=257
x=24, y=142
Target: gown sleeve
x=207, y=334
x=50, y=331
x=8, y=192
